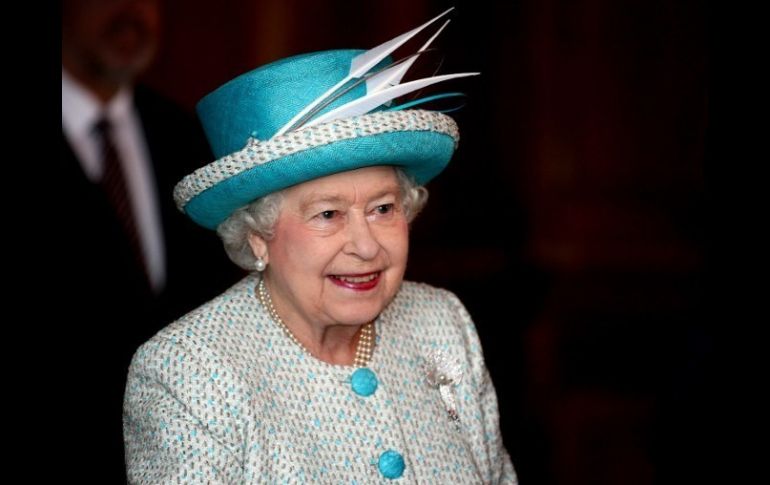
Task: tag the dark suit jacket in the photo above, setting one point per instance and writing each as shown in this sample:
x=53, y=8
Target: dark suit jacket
x=101, y=294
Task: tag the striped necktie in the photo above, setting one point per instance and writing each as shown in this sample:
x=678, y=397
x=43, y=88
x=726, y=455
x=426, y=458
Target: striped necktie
x=114, y=185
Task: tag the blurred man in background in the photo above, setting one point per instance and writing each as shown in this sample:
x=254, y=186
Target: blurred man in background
x=123, y=259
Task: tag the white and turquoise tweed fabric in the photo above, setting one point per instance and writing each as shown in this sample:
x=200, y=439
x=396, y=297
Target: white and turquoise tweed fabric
x=224, y=396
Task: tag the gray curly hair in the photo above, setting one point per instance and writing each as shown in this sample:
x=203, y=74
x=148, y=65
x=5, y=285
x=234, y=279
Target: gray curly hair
x=260, y=217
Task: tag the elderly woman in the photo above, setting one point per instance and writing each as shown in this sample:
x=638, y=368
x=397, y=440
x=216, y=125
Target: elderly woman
x=323, y=366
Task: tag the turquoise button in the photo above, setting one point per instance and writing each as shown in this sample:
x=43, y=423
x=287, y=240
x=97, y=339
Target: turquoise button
x=391, y=464
x=364, y=382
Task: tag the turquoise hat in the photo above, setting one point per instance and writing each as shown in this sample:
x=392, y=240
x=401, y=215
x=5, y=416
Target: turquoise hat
x=262, y=145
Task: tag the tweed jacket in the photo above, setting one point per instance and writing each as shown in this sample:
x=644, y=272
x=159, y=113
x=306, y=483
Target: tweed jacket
x=223, y=395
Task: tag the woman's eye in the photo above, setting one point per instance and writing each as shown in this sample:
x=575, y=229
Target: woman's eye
x=384, y=208
x=328, y=215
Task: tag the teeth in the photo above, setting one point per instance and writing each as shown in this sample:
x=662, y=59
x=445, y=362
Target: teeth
x=358, y=279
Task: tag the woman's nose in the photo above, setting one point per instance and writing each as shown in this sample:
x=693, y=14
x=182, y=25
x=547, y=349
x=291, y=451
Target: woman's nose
x=361, y=241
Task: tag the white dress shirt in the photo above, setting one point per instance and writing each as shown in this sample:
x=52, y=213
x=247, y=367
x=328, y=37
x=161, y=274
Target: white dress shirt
x=80, y=112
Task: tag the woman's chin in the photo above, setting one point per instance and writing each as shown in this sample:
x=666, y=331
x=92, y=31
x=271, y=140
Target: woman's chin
x=357, y=314
x=358, y=300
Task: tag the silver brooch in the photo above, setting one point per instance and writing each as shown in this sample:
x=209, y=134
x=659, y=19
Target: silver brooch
x=443, y=372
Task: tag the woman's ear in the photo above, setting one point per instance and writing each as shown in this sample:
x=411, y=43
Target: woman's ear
x=258, y=247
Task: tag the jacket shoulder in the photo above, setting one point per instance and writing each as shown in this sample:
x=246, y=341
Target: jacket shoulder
x=208, y=324
x=415, y=291
x=430, y=312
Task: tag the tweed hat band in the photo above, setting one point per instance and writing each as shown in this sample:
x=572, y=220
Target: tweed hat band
x=259, y=152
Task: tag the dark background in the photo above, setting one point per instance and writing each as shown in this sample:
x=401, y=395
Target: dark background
x=581, y=221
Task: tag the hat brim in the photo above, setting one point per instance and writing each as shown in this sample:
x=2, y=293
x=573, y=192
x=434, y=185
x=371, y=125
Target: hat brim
x=422, y=153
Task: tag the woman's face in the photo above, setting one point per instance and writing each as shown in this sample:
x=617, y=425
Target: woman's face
x=340, y=248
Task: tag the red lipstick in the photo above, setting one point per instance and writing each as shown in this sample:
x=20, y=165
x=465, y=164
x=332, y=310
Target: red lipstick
x=358, y=282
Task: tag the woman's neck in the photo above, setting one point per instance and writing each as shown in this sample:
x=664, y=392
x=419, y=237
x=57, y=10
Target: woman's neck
x=334, y=344
x=331, y=343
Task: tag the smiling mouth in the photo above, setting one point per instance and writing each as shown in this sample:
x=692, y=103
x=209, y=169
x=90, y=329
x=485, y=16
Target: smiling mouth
x=357, y=282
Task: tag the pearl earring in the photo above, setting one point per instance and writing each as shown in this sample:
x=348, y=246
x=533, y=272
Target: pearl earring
x=260, y=264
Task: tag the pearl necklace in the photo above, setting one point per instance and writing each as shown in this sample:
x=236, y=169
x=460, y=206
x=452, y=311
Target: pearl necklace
x=365, y=345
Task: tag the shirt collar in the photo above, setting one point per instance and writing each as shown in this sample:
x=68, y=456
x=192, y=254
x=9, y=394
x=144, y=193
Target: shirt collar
x=81, y=109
